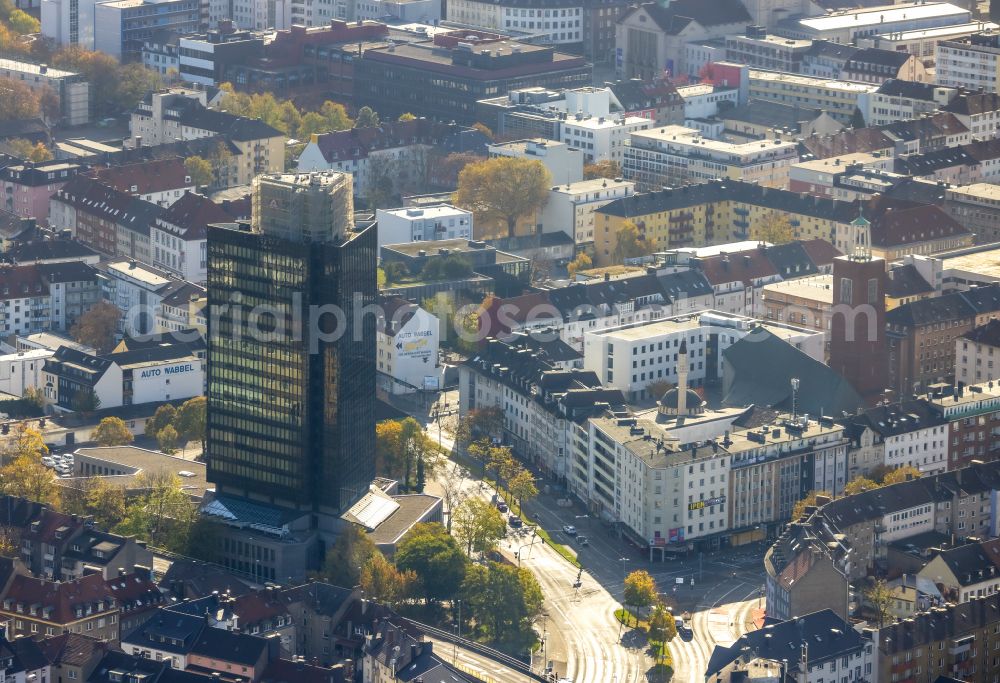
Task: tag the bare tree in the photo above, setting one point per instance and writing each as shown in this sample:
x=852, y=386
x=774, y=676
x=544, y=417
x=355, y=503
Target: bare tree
x=452, y=479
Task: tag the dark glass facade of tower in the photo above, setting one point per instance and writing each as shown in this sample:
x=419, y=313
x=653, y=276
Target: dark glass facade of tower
x=291, y=419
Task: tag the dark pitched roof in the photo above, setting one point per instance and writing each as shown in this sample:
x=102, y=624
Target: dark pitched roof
x=846, y=142
x=673, y=18
x=229, y=646
x=50, y=249
x=926, y=128
x=829, y=49
x=763, y=366
x=19, y=282
x=94, y=197
x=287, y=671
x=772, y=114
x=791, y=260
x=171, y=630
x=635, y=94
x=67, y=271
x=954, y=306
x=235, y=127
x=973, y=562
x=897, y=222
x=897, y=87
x=905, y=281
x=826, y=635
x=821, y=252
x=938, y=625
x=899, y=418
x=190, y=216
x=988, y=334
x=357, y=143
x=73, y=649
x=147, y=177
x=873, y=59
x=973, y=103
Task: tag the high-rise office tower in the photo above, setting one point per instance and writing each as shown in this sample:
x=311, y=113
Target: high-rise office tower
x=291, y=383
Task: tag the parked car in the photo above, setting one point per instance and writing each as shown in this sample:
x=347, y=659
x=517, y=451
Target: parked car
x=583, y=540
x=515, y=522
x=569, y=530
x=502, y=507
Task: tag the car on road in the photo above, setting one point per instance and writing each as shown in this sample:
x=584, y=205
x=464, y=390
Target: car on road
x=569, y=530
x=515, y=522
x=502, y=507
x=583, y=540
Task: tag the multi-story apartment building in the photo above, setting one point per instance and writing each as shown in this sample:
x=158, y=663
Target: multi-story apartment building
x=570, y=207
x=977, y=208
x=977, y=355
x=757, y=49
x=957, y=641
x=542, y=396
x=970, y=62
x=973, y=415
x=837, y=98
x=72, y=89
x=40, y=607
x=46, y=296
x=674, y=155
x=911, y=434
x=798, y=583
x=634, y=356
x=138, y=290
x=720, y=212
x=979, y=111
x=423, y=224
x=159, y=181
x=902, y=99
x=178, y=236
x=923, y=42
x=921, y=336
x=172, y=115
x=27, y=187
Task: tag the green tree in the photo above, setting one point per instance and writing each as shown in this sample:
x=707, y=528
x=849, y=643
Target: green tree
x=112, y=431
x=349, y=553
x=395, y=271
x=167, y=439
x=367, y=118
x=503, y=189
x=483, y=422
x=383, y=582
x=23, y=23
x=879, y=596
x=580, y=262
x=503, y=599
x=640, y=589
x=191, y=419
x=105, y=502
x=164, y=415
x=85, y=400
x=478, y=525
x=629, y=243
x=662, y=627
x=522, y=487
x=97, y=326
x=416, y=448
x=774, y=228
x=336, y=116
x=312, y=124
x=161, y=512
x=407, y=117
x=433, y=555
x=200, y=170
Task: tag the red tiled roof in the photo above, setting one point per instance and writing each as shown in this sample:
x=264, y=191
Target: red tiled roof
x=191, y=215
x=743, y=266
x=847, y=142
x=820, y=251
x=907, y=223
x=148, y=177
x=64, y=598
x=254, y=608
x=135, y=592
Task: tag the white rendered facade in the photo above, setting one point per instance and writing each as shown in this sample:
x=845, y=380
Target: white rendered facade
x=423, y=224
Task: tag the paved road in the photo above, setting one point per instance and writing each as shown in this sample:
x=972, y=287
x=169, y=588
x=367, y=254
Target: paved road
x=583, y=640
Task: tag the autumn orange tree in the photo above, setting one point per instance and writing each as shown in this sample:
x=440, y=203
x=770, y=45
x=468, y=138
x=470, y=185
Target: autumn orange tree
x=503, y=189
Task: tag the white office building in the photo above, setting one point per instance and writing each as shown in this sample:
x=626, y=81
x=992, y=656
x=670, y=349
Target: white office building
x=21, y=370
x=632, y=357
x=848, y=26
x=571, y=207
x=564, y=162
x=423, y=224
x=971, y=63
